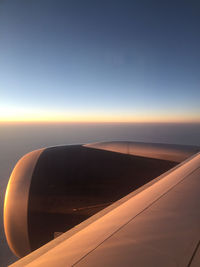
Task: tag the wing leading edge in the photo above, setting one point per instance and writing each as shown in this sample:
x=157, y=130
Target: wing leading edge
x=158, y=225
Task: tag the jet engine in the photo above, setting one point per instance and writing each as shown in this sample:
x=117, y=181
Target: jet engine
x=53, y=189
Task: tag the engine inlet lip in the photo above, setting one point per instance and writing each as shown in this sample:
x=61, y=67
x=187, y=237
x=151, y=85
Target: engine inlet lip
x=16, y=204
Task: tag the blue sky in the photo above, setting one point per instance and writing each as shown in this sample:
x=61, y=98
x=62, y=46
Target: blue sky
x=99, y=60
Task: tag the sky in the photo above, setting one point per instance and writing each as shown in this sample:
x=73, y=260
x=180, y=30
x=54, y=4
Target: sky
x=99, y=61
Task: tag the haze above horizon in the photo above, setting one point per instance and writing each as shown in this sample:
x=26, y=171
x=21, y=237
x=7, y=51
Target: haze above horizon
x=99, y=61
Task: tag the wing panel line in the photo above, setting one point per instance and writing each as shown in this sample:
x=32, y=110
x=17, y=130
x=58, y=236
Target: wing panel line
x=194, y=253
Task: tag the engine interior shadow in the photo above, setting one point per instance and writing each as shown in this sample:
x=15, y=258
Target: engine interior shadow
x=72, y=183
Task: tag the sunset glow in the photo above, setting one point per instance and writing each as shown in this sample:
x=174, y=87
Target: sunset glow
x=60, y=68
x=97, y=118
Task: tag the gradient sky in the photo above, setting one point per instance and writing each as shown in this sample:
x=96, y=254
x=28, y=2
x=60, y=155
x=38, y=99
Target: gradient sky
x=102, y=60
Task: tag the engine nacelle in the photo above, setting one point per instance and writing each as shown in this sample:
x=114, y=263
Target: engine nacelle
x=51, y=190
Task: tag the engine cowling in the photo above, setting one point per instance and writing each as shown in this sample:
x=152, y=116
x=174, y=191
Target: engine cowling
x=51, y=190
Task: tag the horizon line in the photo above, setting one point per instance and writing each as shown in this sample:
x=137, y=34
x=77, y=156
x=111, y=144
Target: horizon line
x=98, y=122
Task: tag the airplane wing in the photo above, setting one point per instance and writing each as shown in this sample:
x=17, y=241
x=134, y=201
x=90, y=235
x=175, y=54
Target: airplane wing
x=155, y=225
